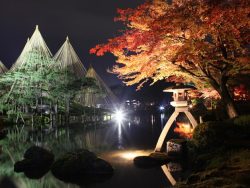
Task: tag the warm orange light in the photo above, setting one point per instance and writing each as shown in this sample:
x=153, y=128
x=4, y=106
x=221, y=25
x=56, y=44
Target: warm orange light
x=129, y=155
x=184, y=130
x=125, y=155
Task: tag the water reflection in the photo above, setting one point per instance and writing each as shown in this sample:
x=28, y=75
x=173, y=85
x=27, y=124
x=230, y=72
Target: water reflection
x=168, y=174
x=118, y=143
x=152, y=119
x=162, y=120
x=125, y=155
x=119, y=125
x=137, y=120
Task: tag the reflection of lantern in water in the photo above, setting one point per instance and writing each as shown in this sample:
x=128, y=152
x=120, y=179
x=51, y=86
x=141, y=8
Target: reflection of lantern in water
x=174, y=167
x=184, y=130
x=170, y=169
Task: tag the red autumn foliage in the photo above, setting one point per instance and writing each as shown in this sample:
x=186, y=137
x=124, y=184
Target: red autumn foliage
x=197, y=41
x=184, y=130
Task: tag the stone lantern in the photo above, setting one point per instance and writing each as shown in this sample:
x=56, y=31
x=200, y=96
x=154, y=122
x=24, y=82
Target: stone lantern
x=180, y=102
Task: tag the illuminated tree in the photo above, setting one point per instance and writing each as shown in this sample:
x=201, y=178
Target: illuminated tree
x=38, y=82
x=64, y=88
x=200, y=41
x=26, y=85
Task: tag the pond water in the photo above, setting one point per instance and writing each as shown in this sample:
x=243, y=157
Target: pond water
x=117, y=143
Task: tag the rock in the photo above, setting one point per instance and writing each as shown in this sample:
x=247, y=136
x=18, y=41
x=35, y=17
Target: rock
x=99, y=170
x=164, y=157
x=3, y=132
x=38, y=154
x=2, y=135
x=6, y=182
x=148, y=162
x=36, y=163
x=81, y=167
x=1, y=124
x=159, y=155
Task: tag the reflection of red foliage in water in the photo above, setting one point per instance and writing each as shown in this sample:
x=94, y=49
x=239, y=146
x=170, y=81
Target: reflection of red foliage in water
x=184, y=130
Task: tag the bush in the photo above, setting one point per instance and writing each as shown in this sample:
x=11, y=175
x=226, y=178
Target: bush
x=217, y=134
x=208, y=134
x=243, y=121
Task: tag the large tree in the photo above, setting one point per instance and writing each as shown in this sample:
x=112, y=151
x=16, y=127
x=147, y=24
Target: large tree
x=201, y=41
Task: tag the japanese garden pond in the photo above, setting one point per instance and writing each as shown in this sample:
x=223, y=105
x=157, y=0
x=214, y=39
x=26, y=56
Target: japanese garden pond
x=116, y=143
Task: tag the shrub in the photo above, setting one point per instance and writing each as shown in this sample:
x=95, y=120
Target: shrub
x=217, y=134
x=207, y=135
x=243, y=121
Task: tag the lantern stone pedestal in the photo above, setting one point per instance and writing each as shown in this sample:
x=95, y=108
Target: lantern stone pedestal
x=176, y=147
x=181, y=105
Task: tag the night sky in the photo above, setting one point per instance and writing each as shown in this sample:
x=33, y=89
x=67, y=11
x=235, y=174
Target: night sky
x=86, y=22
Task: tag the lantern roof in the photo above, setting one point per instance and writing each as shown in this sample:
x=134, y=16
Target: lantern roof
x=68, y=59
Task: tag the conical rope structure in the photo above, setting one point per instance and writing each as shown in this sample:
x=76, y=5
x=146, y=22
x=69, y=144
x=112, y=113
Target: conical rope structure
x=3, y=68
x=35, y=43
x=69, y=60
x=29, y=68
x=105, y=98
x=19, y=60
x=34, y=62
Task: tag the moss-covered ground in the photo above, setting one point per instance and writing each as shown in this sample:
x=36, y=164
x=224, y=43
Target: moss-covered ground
x=219, y=155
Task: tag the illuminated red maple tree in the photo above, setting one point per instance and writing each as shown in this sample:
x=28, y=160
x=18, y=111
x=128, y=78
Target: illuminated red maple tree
x=200, y=41
x=241, y=93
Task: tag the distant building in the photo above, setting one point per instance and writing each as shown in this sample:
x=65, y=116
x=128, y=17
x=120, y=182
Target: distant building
x=133, y=104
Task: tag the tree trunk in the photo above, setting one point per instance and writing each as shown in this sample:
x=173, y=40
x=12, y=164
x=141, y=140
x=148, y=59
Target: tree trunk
x=67, y=110
x=228, y=102
x=225, y=96
x=56, y=113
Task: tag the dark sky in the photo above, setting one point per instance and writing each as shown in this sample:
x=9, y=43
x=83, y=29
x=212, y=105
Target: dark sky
x=86, y=22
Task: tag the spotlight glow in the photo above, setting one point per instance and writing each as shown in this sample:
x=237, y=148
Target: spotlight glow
x=124, y=156
x=129, y=155
x=161, y=108
x=119, y=116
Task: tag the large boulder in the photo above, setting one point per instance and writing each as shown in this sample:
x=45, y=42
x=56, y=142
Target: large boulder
x=155, y=159
x=3, y=134
x=81, y=167
x=147, y=162
x=6, y=182
x=36, y=163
